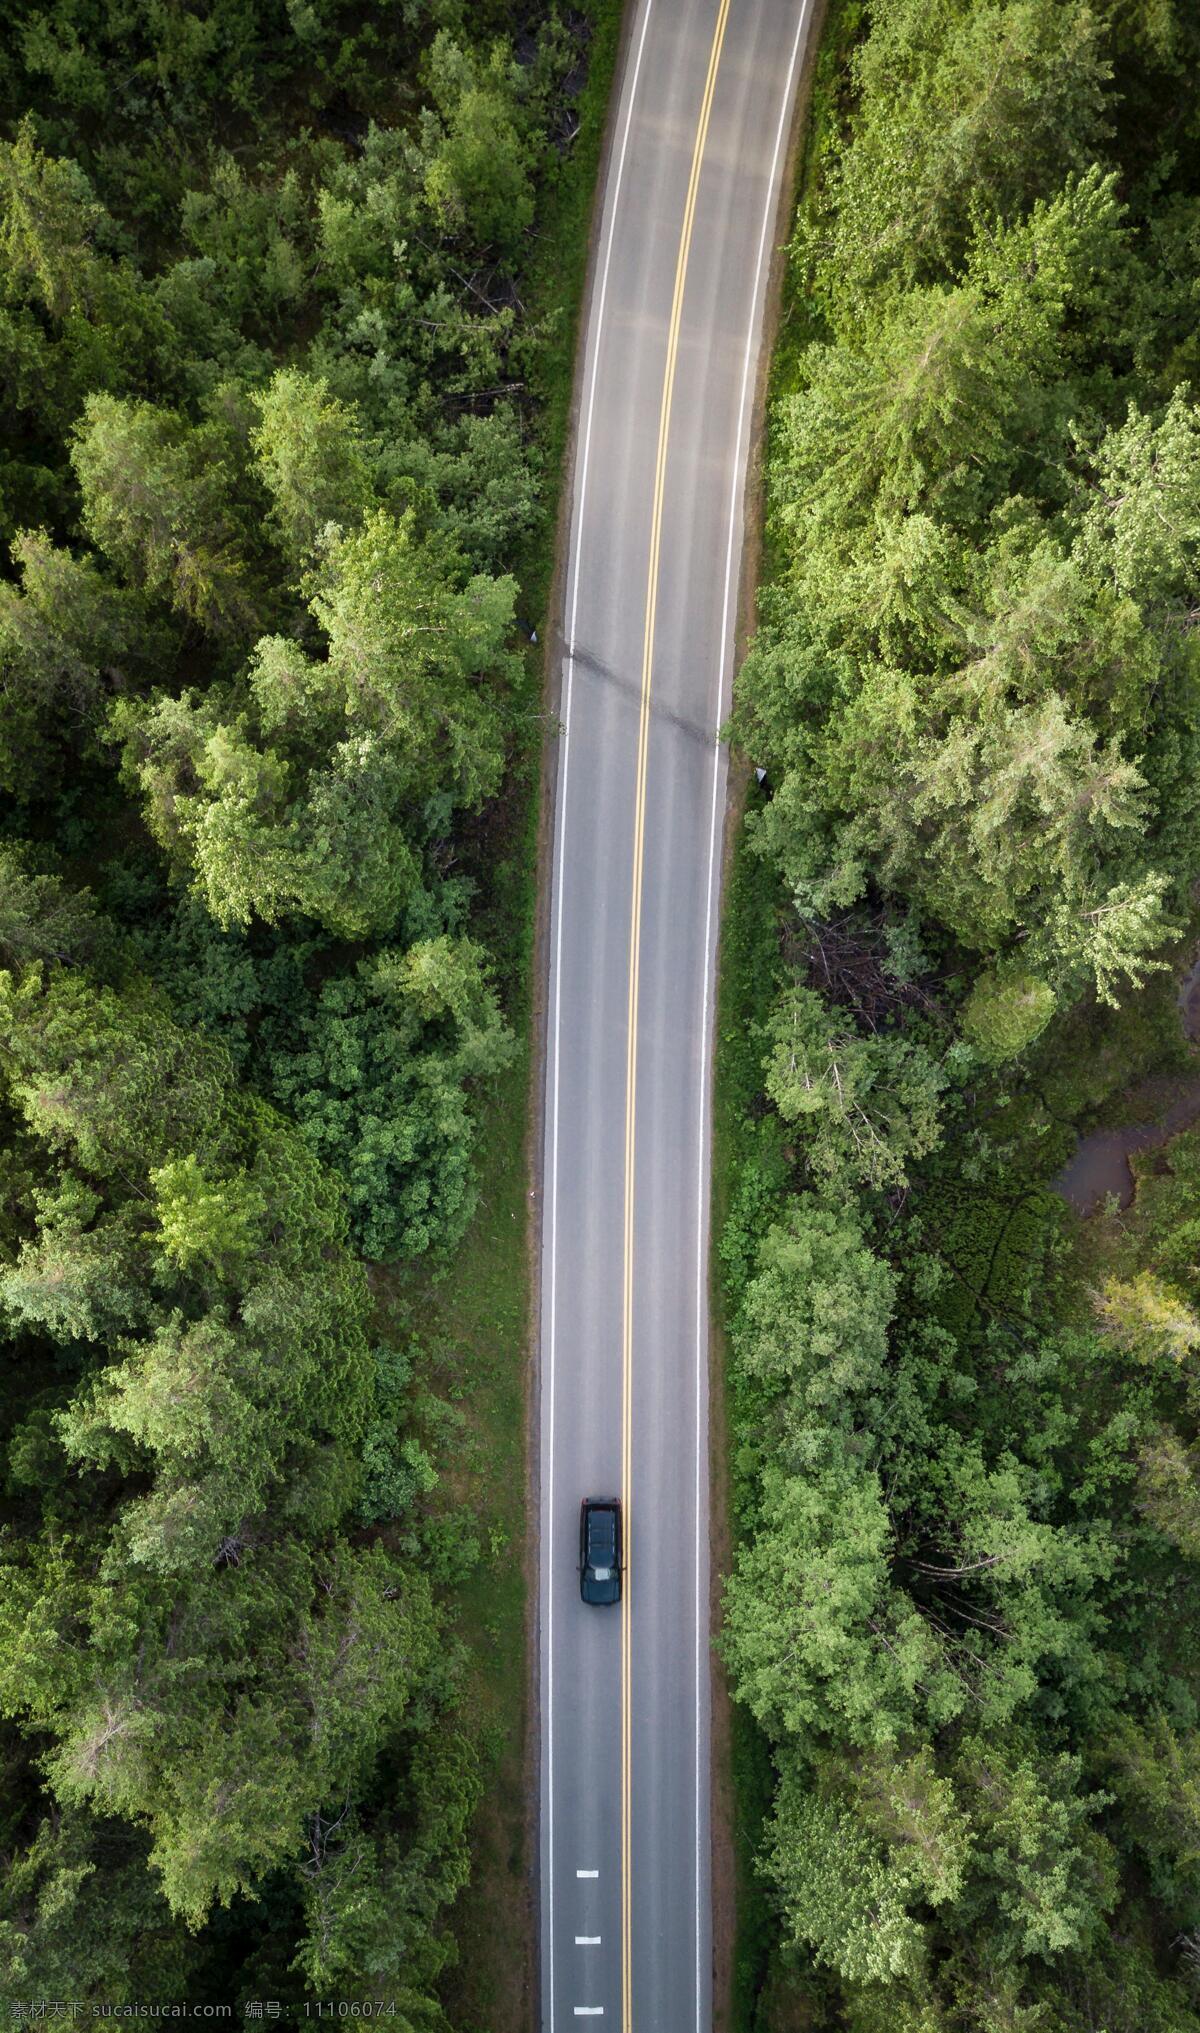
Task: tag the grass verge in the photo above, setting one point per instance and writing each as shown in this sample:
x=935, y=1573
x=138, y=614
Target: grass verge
x=474, y=1322
x=475, y=1316
x=747, y=971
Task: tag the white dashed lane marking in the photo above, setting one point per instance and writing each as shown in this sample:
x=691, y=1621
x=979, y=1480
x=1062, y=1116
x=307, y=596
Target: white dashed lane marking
x=587, y=1941
x=587, y=1874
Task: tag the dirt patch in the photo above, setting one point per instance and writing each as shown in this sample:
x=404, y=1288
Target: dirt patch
x=1099, y=1169
x=1189, y=1002
x=1099, y=1166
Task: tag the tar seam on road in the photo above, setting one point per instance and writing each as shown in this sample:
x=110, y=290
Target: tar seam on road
x=724, y=687
x=553, y=1197
x=635, y=936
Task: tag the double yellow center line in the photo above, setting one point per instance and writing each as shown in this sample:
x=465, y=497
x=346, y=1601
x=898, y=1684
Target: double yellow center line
x=635, y=945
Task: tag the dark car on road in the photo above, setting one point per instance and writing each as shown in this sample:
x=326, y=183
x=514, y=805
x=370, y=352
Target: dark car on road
x=600, y=1549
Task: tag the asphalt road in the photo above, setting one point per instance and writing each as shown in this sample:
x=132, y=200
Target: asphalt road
x=669, y=363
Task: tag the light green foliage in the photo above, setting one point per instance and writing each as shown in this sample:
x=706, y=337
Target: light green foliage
x=1013, y=1592
x=810, y=1634
x=977, y=761
x=155, y=500
x=841, y=1896
x=887, y=430
x=1169, y=1489
x=407, y=652
x=1149, y=1319
x=998, y=822
x=867, y=1105
x=312, y=460
x=84, y=1276
x=480, y=476
x=367, y=1903
x=260, y=835
x=1005, y=1012
x=379, y=1079
x=206, y=1222
x=300, y=793
x=854, y=1848
x=66, y=636
x=1141, y=528
x=908, y=1805
x=237, y=1387
x=1169, y=1214
x=1116, y=939
x=49, y=222
x=1048, y=1875
x=259, y=1351
x=814, y=1317
x=1025, y=793
x=103, y=1078
x=222, y=1775
x=253, y=238
x=476, y=162
x=1019, y=95
x=374, y=227
x=397, y=1470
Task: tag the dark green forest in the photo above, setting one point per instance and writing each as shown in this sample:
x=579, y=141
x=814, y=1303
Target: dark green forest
x=284, y=333
x=963, y=1625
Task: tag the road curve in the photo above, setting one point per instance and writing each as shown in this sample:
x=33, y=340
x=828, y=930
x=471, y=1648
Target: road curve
x=668, y=373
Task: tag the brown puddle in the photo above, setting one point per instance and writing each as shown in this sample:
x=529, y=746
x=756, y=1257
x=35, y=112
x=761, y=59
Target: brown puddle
x=1100, y=1162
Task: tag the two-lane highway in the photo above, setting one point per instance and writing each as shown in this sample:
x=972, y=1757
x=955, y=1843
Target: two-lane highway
x=669, y=365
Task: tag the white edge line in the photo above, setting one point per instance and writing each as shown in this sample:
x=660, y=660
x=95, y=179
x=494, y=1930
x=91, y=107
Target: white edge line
x=565, y=750
x=735, y=521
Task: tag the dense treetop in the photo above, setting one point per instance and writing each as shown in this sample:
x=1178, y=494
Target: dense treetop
x=965, y=1600
x=273, y=467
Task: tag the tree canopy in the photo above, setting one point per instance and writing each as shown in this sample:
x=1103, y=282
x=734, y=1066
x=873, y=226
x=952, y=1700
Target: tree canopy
x=963, y=1599
x=282, y=328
